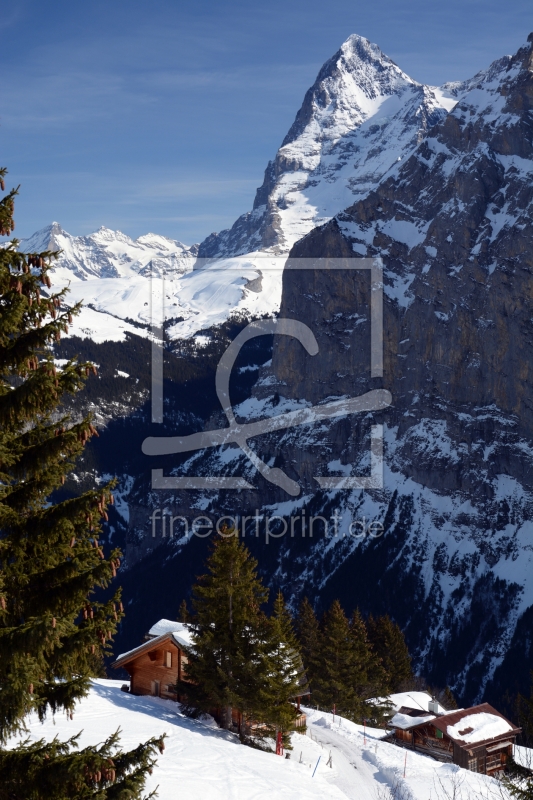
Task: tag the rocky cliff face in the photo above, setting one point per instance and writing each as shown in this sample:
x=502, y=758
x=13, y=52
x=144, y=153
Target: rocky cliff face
x=361, y=116
x=454, y=227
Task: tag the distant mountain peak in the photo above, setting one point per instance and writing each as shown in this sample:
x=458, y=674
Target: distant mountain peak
x=110, y=254
x=361, y=115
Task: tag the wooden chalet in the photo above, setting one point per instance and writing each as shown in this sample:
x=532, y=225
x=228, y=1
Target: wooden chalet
x=160, y=662
x=478, y=738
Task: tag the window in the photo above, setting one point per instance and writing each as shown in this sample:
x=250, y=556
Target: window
x=438, y=733
x=472, y=764
x=168, y=658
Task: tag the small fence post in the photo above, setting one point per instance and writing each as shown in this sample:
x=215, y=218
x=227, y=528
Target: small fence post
x=317, y=763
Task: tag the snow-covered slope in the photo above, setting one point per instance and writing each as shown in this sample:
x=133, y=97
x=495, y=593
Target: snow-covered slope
x=361, y=116
x=117, y=278
x=202, y=762
x=369, y=769
x=111, y=274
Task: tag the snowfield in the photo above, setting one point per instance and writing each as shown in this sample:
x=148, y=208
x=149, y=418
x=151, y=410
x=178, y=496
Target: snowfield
x=370, y=769
x=201, y=761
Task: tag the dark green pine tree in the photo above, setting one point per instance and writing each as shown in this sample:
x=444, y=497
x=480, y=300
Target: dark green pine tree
x=308, y=633
x=227, y=664
x=524, y=708
x=370, y=680
x=519, y=778
x=333, y=681
x=448, y=699
x=389, y=644
x=53, y=633
x=286, y=679
x=183, y=612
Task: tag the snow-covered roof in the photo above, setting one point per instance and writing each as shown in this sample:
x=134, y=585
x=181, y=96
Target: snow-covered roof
x=179, y=633
x=466, y=726
x=167, y=626
x=415, y=700
x=183, y=638
x=478, y=727
x=405, y=721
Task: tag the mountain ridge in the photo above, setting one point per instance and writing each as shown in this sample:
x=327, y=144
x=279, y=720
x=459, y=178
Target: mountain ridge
x=108, y=253
x=360, y=103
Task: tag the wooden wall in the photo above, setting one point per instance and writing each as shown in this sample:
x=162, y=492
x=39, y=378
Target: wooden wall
x=151, y=666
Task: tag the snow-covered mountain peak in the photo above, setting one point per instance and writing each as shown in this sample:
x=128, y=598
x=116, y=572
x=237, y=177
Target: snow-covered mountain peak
x=110, y=254
x=157, y=241
x=44, y=239
x=361, y=115
x=108, y=235
x=453, y=225
x=349, y=88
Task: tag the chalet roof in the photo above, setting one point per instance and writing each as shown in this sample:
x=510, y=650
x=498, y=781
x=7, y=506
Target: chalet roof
x=168, y=626
x=181, y=639
x=474, y=726
x=418, y=701
x=409, y=717
x=411, y=709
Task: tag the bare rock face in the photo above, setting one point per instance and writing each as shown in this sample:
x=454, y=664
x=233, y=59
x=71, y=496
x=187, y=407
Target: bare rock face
x=361, y=115
x=453, y=225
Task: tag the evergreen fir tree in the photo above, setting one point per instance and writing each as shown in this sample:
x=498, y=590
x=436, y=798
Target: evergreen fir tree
x=53, y=633
x=336, y=668
x=524, y=708
x=348, y=673
x=519, y=780
x=448, y=699
x=227, y=665
x=370, y=680
x=308, y=633
x=285, y=673
x=59, y=771
x=389, y=644
x=183, y=612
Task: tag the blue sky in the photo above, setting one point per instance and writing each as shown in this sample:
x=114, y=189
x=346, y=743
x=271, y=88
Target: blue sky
x=161, y=116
